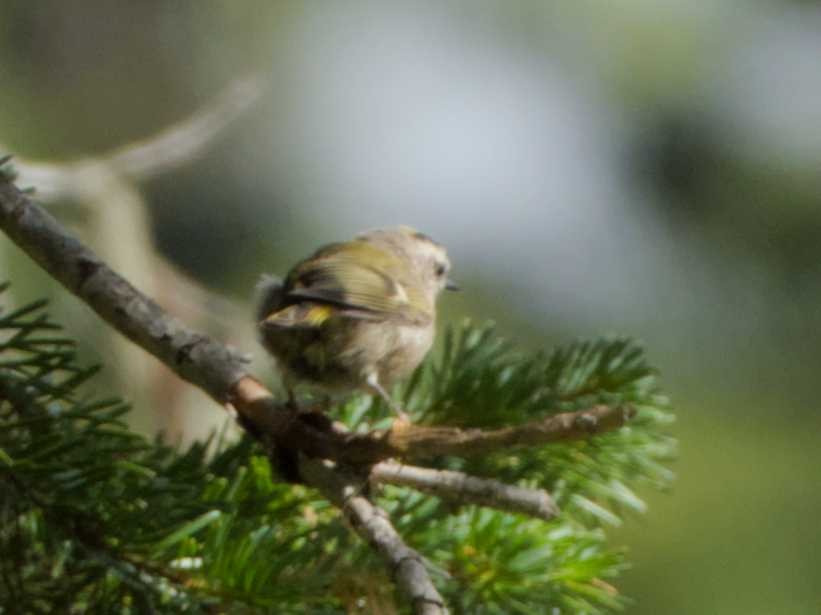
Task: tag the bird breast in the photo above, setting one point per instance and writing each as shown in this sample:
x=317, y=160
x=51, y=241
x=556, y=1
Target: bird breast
x=410, y=345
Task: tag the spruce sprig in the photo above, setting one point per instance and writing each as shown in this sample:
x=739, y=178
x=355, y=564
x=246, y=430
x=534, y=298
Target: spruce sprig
x=96, y=518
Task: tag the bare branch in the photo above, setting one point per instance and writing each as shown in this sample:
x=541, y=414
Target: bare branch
x=54, y=181
x=193, y=356
x=372, y=524
x=421, y=442
x=465, y=488
x=406, y=441
x=105, y=187
x=182, y=142
x=173, y=147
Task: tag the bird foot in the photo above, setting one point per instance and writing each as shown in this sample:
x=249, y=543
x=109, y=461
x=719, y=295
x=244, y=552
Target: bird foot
x=402, y=419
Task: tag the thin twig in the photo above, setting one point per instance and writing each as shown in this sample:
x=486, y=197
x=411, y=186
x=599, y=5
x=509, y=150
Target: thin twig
x=465, y=488
x=408, y=441
x=421, y=442
x=184, y=141
x=372, y=524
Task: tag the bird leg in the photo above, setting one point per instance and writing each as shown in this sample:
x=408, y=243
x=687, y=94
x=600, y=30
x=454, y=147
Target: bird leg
x=374, y=385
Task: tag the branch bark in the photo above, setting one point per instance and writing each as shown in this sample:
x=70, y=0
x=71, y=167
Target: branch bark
x=345, y=490
x=408, y=441
x=465, y=488
x=420, y=442
x=195, y=357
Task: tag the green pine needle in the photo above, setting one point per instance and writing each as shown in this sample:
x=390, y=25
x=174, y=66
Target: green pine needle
x=97, y=519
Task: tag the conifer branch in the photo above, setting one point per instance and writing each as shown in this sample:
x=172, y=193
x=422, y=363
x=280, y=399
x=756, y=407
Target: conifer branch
x=346, y=491
x=303, y=432
x=221, y=372
x=420, y=441
x=470, y=489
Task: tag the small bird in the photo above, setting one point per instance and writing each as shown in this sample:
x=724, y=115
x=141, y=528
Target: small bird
x=357, y=315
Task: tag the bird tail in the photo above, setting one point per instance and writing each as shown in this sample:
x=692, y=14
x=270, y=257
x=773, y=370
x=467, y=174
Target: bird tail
x=269, y=291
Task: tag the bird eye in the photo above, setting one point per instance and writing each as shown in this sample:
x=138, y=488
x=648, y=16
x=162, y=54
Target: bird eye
x=440, y=270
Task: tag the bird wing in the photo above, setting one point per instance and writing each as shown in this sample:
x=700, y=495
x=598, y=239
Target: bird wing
x=364, y=280
x=299, y=316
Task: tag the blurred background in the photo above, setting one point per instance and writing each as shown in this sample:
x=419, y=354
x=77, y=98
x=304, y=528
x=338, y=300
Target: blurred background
x=645, y=168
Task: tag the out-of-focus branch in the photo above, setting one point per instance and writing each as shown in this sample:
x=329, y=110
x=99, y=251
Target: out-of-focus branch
x=470, y=489
x=345, y=490
x=193, y=356
x=106, y=187
x=171, y=148
x=182, y=142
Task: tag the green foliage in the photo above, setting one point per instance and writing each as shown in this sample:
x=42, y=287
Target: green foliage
x=96, y=519
x=482, y=376
x=502, y=563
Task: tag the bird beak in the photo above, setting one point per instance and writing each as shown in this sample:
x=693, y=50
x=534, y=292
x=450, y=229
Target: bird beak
x=451, y=285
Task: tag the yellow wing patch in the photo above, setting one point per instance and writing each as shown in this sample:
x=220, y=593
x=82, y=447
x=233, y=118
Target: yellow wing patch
x=318, y=314
x=300, y=315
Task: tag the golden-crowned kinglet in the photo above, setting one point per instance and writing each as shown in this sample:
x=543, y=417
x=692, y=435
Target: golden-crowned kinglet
x=356, y=315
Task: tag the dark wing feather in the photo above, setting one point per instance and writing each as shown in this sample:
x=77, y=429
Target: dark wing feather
x=363, y=279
